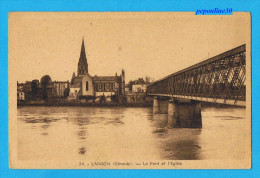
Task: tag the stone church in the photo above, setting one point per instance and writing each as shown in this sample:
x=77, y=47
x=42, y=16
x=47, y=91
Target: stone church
x=84, y=85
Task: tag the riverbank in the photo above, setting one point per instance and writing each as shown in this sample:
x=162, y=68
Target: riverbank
x=144, y=102
x=140, y=100
x=91, y=105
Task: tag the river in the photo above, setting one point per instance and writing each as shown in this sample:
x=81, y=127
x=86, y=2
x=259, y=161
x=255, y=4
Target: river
x=122, y=133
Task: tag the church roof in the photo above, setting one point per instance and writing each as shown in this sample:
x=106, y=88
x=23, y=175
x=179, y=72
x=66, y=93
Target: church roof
x=105, y=78
x=76, y=81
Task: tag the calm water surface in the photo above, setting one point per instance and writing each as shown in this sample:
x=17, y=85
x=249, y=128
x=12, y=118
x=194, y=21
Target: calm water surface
x=67, y=133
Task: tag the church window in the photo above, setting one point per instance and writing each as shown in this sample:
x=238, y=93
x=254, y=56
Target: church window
x=99, y=87
x=112, y=86
x=86, y=85
x=104, y=86
x=107, y=86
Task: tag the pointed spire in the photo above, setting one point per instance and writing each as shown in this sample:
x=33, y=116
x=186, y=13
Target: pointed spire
x=82, y=52
x=82, y=64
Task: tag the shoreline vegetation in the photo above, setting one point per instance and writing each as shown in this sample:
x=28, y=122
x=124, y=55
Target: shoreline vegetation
x=128, y=101
x=90, y=105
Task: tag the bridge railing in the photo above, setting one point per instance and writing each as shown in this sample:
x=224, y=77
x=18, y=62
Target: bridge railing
x=220, y=77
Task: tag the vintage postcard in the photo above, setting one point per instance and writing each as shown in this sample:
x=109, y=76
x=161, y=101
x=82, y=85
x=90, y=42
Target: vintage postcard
x=129, y=90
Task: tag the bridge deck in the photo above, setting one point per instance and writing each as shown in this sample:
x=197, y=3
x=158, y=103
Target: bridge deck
x=210, y=100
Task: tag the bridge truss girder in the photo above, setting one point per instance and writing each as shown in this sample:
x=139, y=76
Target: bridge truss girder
x=222, y=77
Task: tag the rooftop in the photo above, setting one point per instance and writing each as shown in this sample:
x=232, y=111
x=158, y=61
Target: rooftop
x=105, y=78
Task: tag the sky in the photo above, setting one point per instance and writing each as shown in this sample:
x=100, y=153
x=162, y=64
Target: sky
x=143, y=44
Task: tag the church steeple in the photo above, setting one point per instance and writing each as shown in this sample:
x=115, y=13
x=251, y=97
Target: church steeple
x=82, y=52
x=82, y=64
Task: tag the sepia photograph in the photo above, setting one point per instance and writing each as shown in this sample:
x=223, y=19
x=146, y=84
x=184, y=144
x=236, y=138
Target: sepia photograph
x=129, y=90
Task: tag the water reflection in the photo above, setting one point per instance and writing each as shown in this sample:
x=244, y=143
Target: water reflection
x=114, y=121
x=45, y=127
x=160, y=120
x=183, y=148
x=177, y=143
x=82, y=150
x=126, y=134
x=42, y=123
x=81, y=132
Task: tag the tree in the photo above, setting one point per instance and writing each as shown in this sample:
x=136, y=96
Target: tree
x=66, y=92
x=45, y=81
x=35, y=85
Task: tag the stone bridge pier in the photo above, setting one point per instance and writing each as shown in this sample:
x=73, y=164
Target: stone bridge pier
x=182, y=113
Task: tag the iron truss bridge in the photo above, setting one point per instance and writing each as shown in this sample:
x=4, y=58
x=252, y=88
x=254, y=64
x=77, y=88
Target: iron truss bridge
x=220, y=79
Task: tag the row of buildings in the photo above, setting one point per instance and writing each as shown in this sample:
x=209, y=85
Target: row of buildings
x=81, y=86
